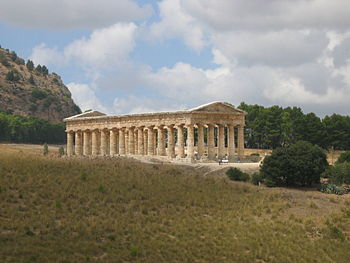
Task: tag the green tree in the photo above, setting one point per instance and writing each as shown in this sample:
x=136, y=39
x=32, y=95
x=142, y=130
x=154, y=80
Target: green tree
x=31, y=80
x=344, y=157
x=3, y=60
x=13, y=75
x=299, y=164
x=30, y=65
x=44, y=70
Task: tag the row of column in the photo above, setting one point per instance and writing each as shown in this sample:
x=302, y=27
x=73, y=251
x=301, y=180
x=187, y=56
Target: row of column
x=141, y=141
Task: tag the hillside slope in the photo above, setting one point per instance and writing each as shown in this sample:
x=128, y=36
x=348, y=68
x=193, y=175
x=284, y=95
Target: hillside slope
x=31, y=91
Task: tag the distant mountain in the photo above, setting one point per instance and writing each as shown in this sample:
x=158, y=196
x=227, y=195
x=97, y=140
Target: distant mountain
x=32, y=91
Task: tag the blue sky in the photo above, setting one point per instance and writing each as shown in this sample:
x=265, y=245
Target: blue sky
x=136, y=56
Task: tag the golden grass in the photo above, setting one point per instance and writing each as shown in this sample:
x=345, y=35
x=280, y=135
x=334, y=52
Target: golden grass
x=119, y=210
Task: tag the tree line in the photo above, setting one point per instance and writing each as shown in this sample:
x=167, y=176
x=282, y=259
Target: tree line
x=19, y=129
x=272, y=127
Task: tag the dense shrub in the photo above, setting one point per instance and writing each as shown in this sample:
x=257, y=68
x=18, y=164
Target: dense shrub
x=14, y=128
x=300, y=164
x=344, y=157
x=38, y=94
x=237, y=175
x=256, y=178
x=338, y=174
x=332, y=189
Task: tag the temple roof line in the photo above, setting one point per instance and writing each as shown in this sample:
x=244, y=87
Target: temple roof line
x=215, y=107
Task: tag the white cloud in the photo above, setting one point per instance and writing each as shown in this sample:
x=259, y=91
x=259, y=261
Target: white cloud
x=86, y=97
x=176, y=23
x=105, y=48
x=71, y=14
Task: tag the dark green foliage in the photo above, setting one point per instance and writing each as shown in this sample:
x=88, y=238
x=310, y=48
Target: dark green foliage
x=332, y=189
x=3, y=60
x=31, y=80
x=38, y=68
x=338, y=174
x=61, y=151
x=14, y=128
x=44, y=70
x=256, y=178
x=273, y=127
x=300, y=164
x=13, y=56
x=45, y=149
x=30, y=65
x=54, y=80
x=344, y=157
x=13, y=75
x=237, y=175
x=38, y=94
x=254, y=154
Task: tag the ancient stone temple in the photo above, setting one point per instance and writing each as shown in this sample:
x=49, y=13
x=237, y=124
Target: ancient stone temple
x=207, y=132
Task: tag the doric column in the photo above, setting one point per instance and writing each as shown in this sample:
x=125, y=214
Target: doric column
x=145, y=142
x=112, y=142
x=161, y=140
x=136, y=141
x=240, y=141
x=94, y=142
x=150, y=142
x=70, y=143
x=200, y=140
x=131, y=140
x=126, y=141
x=140, y=149
x=86, y=142
x=211, y=142
x=171, y=142
x=221, y=140
x=231, y=141
x=104, y=143
x=78, y=143
x=121, y=141
x=180, y=141
x=190, y=141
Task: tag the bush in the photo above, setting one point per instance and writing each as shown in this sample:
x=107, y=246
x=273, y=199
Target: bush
x=13, y=75
x=237, y=175
x=332, y=189
x=344, y=157
x=61, y=151
x=46, y=149
x=254, y=154
x=338, y=174
x=38, y=94
x=256, y=178
x=299, y=164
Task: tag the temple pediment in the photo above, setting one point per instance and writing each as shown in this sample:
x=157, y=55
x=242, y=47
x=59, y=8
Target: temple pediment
x=218, y=107
x=86, y=114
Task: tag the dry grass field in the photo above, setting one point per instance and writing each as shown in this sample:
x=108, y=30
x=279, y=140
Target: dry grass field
x=121, y=210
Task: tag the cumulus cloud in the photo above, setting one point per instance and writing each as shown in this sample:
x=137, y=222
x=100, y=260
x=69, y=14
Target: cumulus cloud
x=71, y=14
x=228, y=15
x=176, y=23
x=86, y=97
x=105, y=48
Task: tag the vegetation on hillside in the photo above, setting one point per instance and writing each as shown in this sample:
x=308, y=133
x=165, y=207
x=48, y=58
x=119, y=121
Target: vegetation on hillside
x=273, y=127
x=300, y=164
x=80, y=210
x=14, y=128
x=30, y=90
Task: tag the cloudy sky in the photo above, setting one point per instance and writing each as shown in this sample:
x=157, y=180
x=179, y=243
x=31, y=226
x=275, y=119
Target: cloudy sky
x=130, y=56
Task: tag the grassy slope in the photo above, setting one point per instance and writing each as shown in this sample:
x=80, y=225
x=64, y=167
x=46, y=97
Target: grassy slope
x=56, y=210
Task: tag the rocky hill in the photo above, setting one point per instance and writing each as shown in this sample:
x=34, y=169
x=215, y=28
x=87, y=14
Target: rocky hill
x=32, y=91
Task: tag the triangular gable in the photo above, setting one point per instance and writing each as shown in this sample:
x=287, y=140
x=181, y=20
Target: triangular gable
x=86, y=114
x=216, y=107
